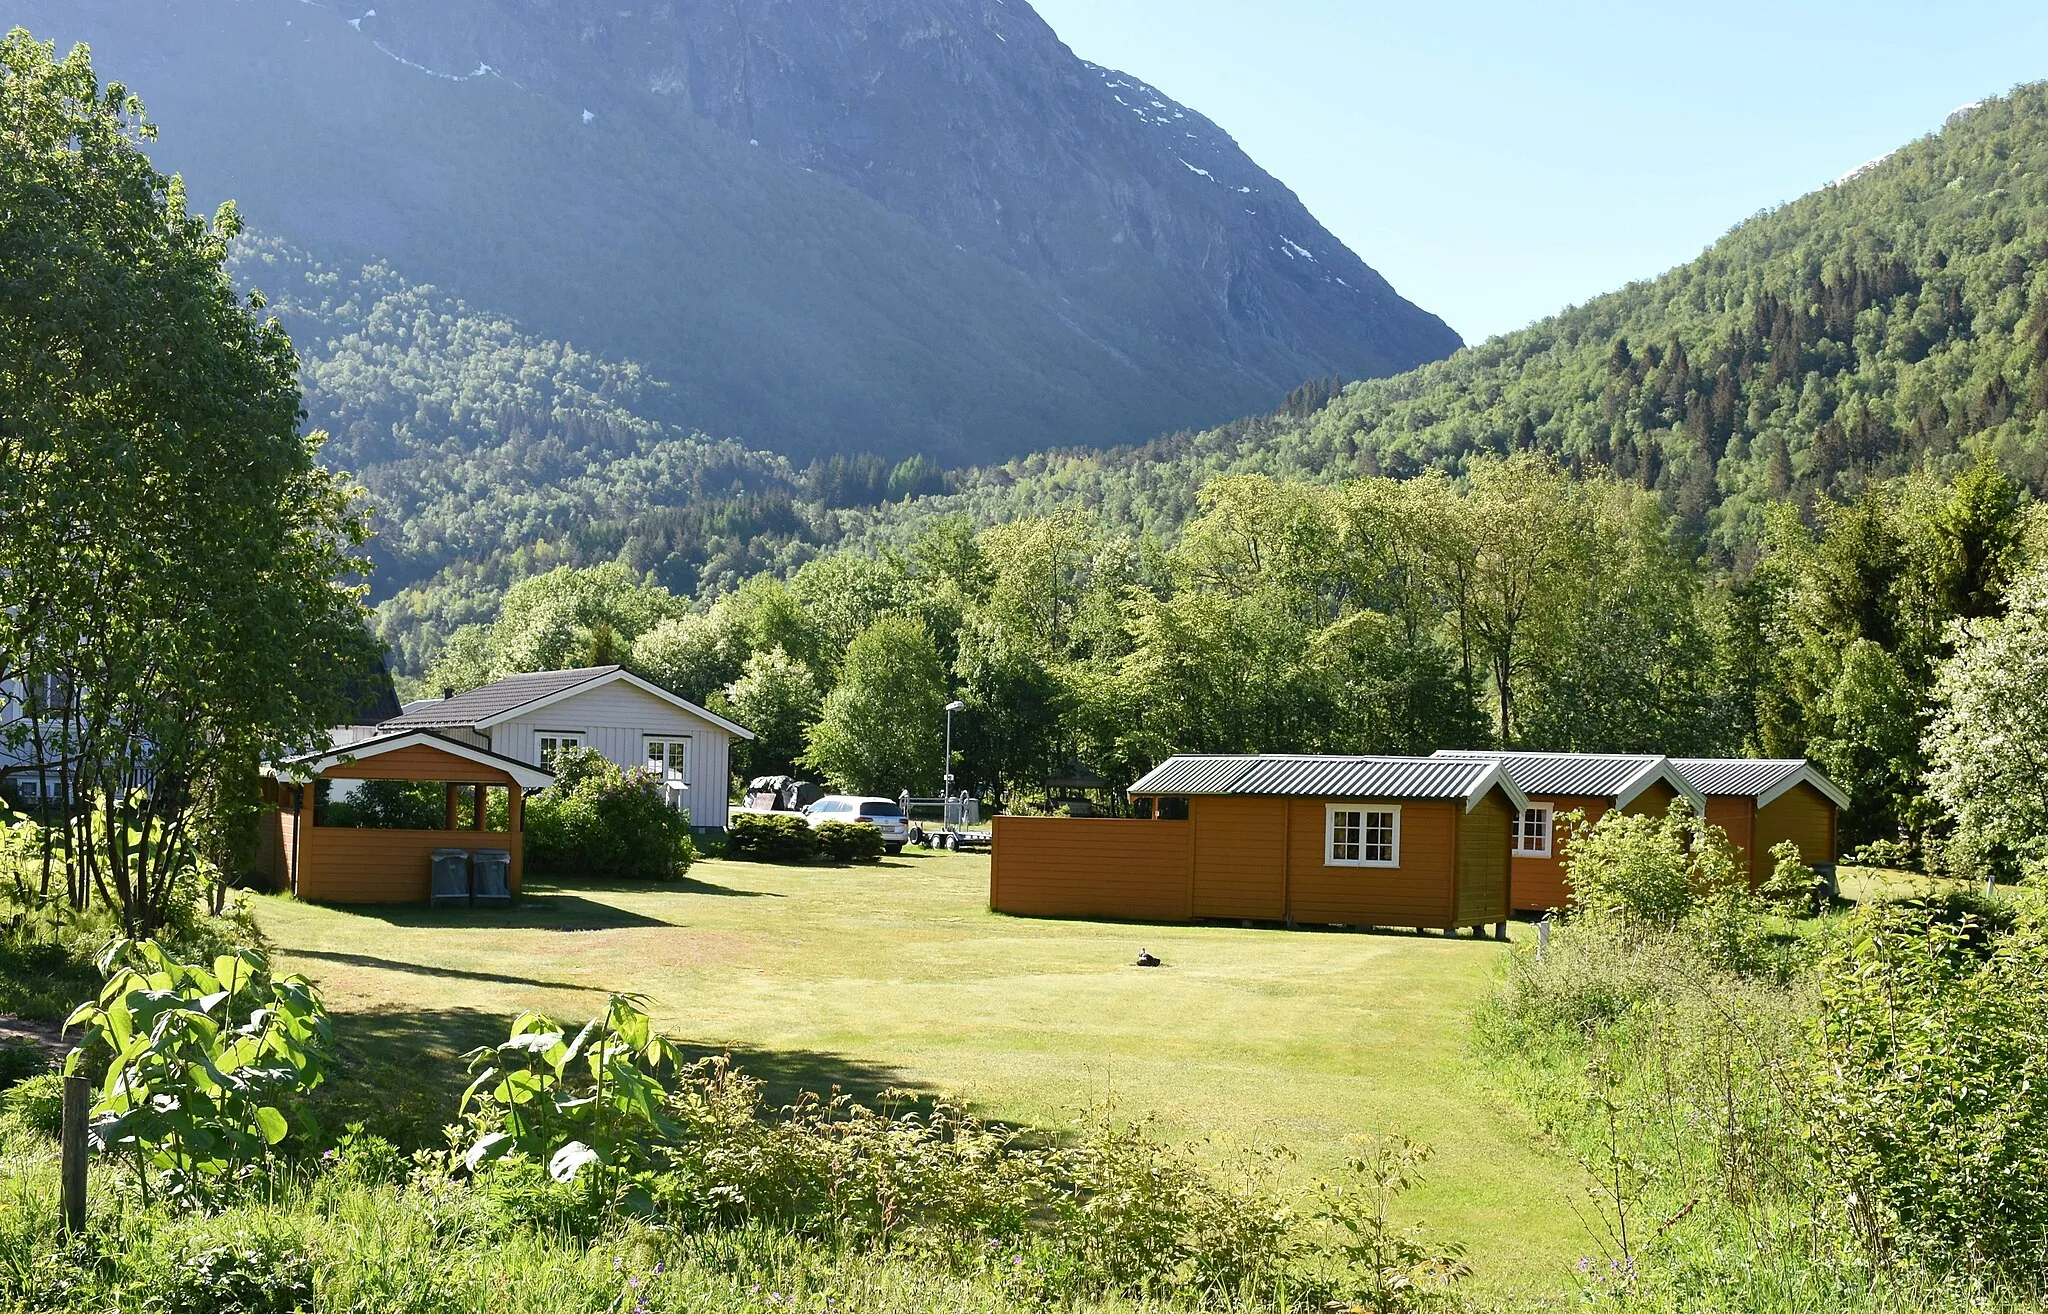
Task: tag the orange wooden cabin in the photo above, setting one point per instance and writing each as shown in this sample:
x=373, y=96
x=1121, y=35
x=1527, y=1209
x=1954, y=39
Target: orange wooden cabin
x=1347, y=841
x=317, y=845
x=1561, y=784
x=1763, y=802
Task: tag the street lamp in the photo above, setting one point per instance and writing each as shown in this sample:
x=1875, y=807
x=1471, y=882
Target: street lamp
x=952, y=707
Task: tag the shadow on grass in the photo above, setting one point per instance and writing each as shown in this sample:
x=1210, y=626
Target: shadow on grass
x=401, y=1075
x=426, y=969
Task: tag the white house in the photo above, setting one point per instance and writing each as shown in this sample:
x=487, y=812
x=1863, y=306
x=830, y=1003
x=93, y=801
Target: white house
x=631, y=721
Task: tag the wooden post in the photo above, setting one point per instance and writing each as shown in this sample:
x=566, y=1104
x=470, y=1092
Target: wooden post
x=1500, y=930
x=1542, y=938
x=77, y=1109
x=448, y=821
x=480, y=796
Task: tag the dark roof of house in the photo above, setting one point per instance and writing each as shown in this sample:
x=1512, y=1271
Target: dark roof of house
x=1566, y=775
x=372, y=699
x=1276, y=775
x=480, y=705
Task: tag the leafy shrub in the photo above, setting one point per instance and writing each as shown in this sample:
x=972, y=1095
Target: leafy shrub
x=20, y=1059
x=780, y=837
x=1893, y=854
x=1647, y=876
x=262, y=1276
x=850, y=841
x=35, y=1105
x=199, y=1062
x=366, y=1159
x=597, y=822
x=1792, y=884
x=591, y=1102
x=1931, y=1091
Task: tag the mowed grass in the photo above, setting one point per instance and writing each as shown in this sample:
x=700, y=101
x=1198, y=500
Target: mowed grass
x=867, y=978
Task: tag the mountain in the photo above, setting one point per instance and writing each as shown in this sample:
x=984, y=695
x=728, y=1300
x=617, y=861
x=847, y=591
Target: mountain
x=823, y=225
x=1894, y=319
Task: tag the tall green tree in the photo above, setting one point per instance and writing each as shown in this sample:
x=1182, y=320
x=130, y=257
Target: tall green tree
x=881, y=730
x=778, y=698
x=174, y=556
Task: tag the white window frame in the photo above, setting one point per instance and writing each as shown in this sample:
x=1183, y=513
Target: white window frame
x=1522, y=833
x=1331, y=812
x=561, y=739
x=669, y=744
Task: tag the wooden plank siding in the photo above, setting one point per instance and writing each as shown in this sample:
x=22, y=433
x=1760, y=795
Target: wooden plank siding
x=1092, y=867
x=1419, y=892
x=1256, y=859
x=350, y=865
x=387, y=866
x=420, y=762
x=1485, y=835
x=1737, y=817
x=1240, y=869
x=1803, y=815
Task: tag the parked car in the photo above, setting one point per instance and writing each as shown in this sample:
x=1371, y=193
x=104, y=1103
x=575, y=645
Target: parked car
x=885, y=813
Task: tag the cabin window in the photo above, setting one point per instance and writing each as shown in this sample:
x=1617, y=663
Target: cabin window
x=670, y=759
x=1363, y=837
x=1173, y=809
x=1532, y=831
x=554, y=742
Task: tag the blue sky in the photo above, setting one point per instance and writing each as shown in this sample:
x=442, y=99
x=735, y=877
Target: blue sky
x=1498, y=161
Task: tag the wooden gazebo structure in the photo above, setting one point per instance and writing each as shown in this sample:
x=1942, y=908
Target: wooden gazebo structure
x=361, y=864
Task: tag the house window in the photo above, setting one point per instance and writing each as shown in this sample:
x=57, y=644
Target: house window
x=670, y=759
x=1532, y=831
x=552, y=743
x=1363, y=837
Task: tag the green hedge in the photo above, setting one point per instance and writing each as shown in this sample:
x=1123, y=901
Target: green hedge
x=597, y=822
x=850, y=841
x=770, y=837
x=787, y=838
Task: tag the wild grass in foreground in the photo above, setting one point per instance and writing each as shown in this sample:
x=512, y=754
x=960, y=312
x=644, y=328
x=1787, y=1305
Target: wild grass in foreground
x=1775, y=1111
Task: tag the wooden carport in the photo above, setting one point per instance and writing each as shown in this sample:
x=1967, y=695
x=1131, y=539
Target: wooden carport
x=333, y=864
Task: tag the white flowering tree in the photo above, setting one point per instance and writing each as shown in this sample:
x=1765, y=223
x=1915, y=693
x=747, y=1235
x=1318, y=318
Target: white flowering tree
x=1988, y=745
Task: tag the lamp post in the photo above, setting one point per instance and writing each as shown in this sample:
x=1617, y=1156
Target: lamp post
x=952, y=707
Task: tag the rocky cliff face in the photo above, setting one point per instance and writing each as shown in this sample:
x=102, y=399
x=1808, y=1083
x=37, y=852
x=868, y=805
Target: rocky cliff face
x=889, y=224
x=971, y=117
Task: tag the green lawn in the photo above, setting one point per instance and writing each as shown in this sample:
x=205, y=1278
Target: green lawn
x=898, y=975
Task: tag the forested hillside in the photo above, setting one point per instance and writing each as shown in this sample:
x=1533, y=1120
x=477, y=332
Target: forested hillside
x=1894, y=319
x=1897, y=316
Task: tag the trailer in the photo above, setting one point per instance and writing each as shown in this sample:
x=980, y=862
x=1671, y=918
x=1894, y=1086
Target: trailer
x=959, y=825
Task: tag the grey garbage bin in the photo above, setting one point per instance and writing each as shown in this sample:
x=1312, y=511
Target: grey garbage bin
x=493, y=869
x=451, y=877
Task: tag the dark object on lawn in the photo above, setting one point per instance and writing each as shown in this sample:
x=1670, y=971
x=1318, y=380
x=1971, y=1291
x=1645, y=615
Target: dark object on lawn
x=1146, y=959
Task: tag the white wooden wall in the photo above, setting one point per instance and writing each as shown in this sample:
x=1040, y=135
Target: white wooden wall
x=616, y=720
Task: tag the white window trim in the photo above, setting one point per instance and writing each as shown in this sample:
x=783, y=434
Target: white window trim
x=1549, y=830
x=669, y=774
x=563, y=739
x=1330, y=812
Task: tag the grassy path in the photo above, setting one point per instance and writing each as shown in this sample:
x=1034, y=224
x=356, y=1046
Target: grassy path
x=898, y=975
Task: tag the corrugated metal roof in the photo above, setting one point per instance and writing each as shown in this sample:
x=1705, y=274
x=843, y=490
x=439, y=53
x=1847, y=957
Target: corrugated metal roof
x=1565, y=775
x=1738, y=777
x=1276, y=775
x=493, y=699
